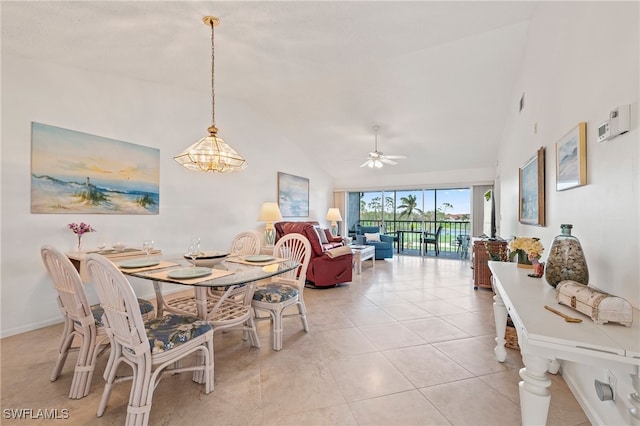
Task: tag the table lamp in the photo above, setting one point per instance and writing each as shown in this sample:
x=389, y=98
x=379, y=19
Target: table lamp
x=334, y=216
x=269, y=212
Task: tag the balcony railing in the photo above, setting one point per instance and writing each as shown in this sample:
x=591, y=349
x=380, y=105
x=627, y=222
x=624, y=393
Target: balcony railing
x=412, y=241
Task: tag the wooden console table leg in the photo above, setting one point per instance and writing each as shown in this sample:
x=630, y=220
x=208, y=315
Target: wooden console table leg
x=634, y=398
x=500, y=315
x=534, y=392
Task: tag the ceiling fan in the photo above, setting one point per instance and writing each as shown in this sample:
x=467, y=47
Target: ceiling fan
x=378, y=159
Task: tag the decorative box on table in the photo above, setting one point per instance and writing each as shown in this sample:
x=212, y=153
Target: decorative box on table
x=597, y=304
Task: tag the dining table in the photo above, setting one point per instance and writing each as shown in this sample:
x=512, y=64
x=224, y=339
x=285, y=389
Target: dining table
x=230, y=273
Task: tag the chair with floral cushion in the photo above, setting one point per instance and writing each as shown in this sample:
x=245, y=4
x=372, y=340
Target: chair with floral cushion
x=80, y=320
x=287, y=289
x=150, y=348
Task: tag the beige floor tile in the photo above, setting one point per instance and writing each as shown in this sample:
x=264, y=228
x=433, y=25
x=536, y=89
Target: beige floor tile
x=366, y=376
x=362, y=362
x=426, y=366
x=441, y=307
x=435, y=330
x=482, y=404
x=476, y=357
x=406, y=311
x=369, y=316
x=471, y=323
x=296, y=391
x=406, y=408
x=391, y=336
x=329, y=416
x=346, y=341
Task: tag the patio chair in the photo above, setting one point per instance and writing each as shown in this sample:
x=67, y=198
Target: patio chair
x=80, y=320
x=463, y=245
x=431, y=238
x=285, y=290
x=150, y=348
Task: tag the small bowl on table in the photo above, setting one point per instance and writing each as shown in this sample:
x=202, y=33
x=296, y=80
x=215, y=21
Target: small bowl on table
x=209, y=258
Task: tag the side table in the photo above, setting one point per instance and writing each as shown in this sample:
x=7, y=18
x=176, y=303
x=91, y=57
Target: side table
x=362, y=253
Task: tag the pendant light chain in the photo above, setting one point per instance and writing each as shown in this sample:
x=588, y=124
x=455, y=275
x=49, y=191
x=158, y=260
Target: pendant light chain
x=213, y=92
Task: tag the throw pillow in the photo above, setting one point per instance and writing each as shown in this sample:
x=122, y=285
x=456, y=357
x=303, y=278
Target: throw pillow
x=321, y=235
x=372, y=237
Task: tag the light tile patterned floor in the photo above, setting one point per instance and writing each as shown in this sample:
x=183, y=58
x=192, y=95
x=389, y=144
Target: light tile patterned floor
x=408, y=342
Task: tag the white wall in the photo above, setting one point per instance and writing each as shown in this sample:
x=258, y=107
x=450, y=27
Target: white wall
x=215, y=207
x=581, y=62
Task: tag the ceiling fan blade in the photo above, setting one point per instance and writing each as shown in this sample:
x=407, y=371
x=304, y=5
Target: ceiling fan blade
x=396, y=157
x=366, y=163
x=387, y=161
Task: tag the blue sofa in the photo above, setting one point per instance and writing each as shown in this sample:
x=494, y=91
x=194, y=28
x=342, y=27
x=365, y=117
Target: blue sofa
x=384, y=248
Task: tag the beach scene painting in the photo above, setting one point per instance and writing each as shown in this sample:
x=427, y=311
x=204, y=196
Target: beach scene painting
x=293, y=195
x=571, y=160
x=74, y=172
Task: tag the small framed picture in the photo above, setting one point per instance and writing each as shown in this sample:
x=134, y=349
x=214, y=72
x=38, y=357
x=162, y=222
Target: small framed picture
x=531, y=190
x=571, y=159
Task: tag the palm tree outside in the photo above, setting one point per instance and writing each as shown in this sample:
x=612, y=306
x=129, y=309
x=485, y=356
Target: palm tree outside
x=409, y=208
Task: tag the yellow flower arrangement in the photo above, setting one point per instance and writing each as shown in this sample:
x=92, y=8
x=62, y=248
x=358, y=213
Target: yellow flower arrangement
x=531, y=246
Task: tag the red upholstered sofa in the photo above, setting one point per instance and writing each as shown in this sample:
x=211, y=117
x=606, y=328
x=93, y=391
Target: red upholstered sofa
x=323, y=270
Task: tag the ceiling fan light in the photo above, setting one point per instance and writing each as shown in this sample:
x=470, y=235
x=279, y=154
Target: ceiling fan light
x=377, y=163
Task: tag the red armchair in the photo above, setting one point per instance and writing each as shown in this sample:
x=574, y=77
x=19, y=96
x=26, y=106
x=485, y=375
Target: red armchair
x=323, y=270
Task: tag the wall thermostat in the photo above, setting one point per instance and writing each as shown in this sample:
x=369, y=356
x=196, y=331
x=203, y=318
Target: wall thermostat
x=617, y=124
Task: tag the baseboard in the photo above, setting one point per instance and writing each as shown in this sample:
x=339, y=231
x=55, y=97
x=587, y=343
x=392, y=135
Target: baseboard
x=30, y=327
x=578, y=393
x=57, y=320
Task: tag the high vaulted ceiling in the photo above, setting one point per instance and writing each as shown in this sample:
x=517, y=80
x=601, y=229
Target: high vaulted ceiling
x=437, y=77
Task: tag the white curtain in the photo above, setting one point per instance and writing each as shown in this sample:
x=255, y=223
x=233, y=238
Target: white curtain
x=480, y=211
x=340, y=201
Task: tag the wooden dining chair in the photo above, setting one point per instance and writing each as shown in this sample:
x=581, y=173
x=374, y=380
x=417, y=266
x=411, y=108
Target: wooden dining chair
x=150, y=348
x=285, y=290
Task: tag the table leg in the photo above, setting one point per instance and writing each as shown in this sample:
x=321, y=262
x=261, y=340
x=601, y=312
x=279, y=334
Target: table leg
x=358, y=259
x=201, y=302
x=160, y=303
x=534, y=392
x=500, y=315
x=634, y=398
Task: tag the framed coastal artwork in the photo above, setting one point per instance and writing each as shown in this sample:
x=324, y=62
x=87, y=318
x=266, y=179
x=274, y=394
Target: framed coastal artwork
x=74, y=172
x=531, y=190
x=571, y=159
x=293, y=195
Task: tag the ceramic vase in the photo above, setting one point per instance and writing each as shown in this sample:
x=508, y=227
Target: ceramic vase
x=523, y=260
x=566, y=259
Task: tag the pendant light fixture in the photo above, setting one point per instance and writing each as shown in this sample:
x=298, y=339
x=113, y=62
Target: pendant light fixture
x=211, y=153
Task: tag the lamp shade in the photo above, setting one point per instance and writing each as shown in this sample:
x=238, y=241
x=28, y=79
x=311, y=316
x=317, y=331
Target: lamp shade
x=334, y=215
x=269, y=212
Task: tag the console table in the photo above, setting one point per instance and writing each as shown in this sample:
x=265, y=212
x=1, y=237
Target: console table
x=545, y=338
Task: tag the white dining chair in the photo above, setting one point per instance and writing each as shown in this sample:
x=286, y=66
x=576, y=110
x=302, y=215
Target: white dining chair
x=150, y=348
x=79, y=321
x=285, y=290
x=245, y=243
